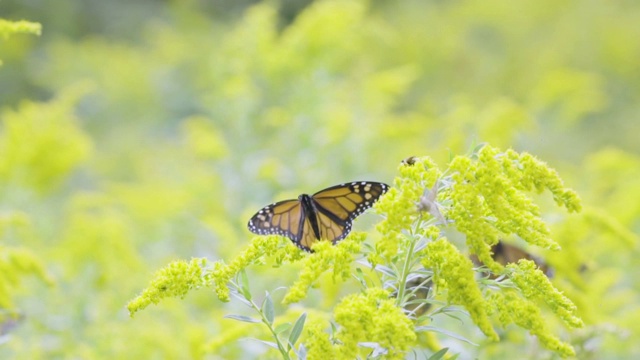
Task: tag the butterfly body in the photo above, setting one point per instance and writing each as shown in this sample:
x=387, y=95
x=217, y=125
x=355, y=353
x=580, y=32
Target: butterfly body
x=310, y=209
x=325, y=215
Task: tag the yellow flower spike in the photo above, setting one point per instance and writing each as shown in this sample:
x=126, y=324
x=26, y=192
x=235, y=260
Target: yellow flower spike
x=468, y=212
x=288, y=254
x=373, y=317
x=386, y=247
x=399, y=205
x=259, y=247
x=488, y=199
x=325, y=256
x=513, y=309
x=535, y=285
x=318, y=344
x=487, y=259
x=174, y=280
x=537, y=174
x=454, y=271
x=431, y=232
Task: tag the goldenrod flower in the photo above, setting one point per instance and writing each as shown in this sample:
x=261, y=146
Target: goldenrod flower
x=488, y=200
x=513, y=309
x=454, y=271
x=174, y=280
x=259, y=247
x=398, y=205
x=318, y=344
x=535, y=285
x=373, y=317
x=326, y=256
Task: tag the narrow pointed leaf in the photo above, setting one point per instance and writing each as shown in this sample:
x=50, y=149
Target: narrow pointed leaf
x=444, y=332
x=242, y=318
x=360, y=277
x=377, y=349
x=244, y=284
x=334, y=329
x=236, y=295
x=302, y=352
x=387, y=271
x=267, y=309
x=268, y=343
x=282, y=328
x=297, y=330
x=438, y=355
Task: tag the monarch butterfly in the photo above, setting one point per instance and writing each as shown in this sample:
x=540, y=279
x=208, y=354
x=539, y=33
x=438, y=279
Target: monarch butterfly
x=325, y=215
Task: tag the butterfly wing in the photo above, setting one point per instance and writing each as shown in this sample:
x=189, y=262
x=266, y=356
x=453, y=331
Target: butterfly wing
x=306, y=237
x=338, y=205
x=286, y=218
x=283, y=218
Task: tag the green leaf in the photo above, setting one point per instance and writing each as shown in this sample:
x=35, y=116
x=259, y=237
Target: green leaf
x=377, y=349
x=297, y=330
x=302, y=352
x=368, y=247
x=444, y=332
x=282, y=328
x=242, y=318
x=267, y=309
x=387, y=271
x=269, y=343
x=359, y=275
x=236, y=295
x=439, y=355
x=244, y=284
x=334, y=329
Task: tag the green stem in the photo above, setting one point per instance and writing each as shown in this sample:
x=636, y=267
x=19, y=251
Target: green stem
x=402, y=284
x=285, y=353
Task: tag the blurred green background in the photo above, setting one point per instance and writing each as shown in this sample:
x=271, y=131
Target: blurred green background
x=136, y=133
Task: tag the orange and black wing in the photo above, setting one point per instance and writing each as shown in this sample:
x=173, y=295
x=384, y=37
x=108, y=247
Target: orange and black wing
x=306, y=237
x=286, y=218
x=338, y=205
x=283, y=218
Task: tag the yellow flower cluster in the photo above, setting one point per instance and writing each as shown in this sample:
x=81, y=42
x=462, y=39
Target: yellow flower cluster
x=373, y=317
x=538, y=174
x=486, y=196
x=398, y=205
x=454, y=271
x=174, y=280
x=326, y=256
x=260, y=247
x=535, y=286
x=317, y=342
x=513, y=309
x=488, y=199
